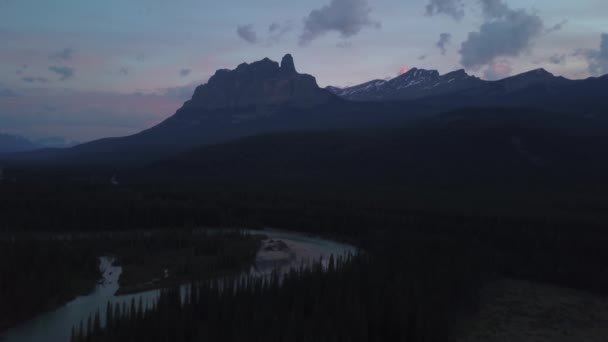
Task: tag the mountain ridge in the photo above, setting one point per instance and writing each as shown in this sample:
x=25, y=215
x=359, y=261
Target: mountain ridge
x=261, y=83
x=265, y=96
x=421, y=83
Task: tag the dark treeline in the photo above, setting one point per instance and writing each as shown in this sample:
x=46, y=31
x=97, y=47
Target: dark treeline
x=39, y=274
x=406, y=291
x=550, y=249
x=40, y=271
x=165, y=258
x=425, y=249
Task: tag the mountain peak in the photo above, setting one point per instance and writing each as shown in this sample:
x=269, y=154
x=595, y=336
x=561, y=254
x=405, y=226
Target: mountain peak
x=540, y=72
x=415, y=72
x=457, y=73
x=261, y=83
x=287, y=65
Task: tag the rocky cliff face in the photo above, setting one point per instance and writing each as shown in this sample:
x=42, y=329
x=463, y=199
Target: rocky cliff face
x=260, y=84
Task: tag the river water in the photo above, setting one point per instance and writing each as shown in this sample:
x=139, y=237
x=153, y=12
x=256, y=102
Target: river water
x=56, y=325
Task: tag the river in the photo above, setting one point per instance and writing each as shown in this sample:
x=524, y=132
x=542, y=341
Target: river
x=56, y=325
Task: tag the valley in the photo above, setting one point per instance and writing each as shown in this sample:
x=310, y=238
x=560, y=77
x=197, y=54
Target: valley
x=440, y=197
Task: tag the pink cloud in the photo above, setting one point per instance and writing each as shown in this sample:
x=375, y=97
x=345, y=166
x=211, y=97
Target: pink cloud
x=497, y=70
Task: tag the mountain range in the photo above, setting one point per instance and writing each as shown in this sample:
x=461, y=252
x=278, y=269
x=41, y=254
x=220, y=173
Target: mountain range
x=416, y=83
x=266, y=97
x=10, y=143
x=537, y=88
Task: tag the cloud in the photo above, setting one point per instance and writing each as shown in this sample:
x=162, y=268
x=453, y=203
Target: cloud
x=556, y=27
x=185, y=72
x=347, y=17
x=505, y=33
x=557, y=59
x=65, y=54
x=123, y=71
x=452, y=8
x=444, y=40
x=5, y=92
x=277, y=30
x=597, y=59
x=422, y=57
x=497, y=71
x=65, y=73
x=274, y=27
x=35, y=79
x=247, y=33
x=494, y=8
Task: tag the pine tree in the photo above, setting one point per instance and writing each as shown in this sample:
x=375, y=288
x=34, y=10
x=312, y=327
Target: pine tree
x=89, y=332
x=97, y=324
x=109, y=315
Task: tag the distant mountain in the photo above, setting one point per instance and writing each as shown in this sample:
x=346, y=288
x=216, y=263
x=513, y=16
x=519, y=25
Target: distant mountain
x=416, y=83
x=265, y=97
x=537, y=88
x=260, y=84
x=465, y=148
x=13, y=143
x=255, y=98
x=56, y=142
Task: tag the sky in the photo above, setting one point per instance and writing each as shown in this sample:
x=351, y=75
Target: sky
x=82, y=69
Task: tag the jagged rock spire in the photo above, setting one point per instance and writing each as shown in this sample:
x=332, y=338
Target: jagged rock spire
x=262, y=83
x=287, y=65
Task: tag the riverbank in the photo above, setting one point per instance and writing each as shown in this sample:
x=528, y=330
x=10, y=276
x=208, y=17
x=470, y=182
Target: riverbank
x=164, y=260
x=40, y=275
x=56, y=325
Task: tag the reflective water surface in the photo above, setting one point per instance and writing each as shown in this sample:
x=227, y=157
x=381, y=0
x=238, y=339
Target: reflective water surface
x=57, y=325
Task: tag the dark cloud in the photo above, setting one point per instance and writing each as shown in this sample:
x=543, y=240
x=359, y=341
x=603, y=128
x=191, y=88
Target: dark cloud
x=64, y=72
x=557, y=59
x=274, y=27
x=444, y=41
x=123, y=71
x=497, y=71
x=35, y=79
x=277, y=30
x=185, y=72
x=597, y=59
x=556, y=27
x=452, y=8
x=347, y=17
x=5, y=92
x=494, y=8
x=505, y=33
x=64, y=55
x=247, y=33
